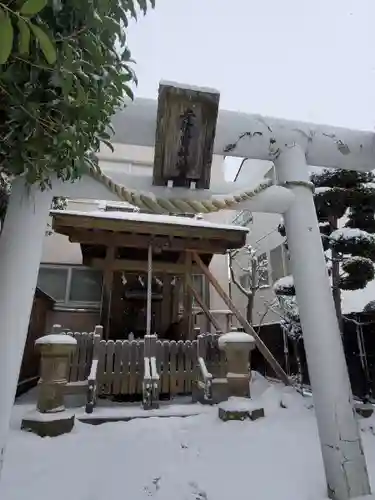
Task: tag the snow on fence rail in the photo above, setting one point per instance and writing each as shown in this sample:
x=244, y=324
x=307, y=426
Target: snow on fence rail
x=121, y=363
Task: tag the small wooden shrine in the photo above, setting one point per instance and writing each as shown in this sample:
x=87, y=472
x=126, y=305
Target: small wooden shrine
x=149, y=262
x=147, y=256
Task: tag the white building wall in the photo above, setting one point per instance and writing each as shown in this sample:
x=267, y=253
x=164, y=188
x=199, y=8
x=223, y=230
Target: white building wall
x=57, y=248
x=264, y=238
x=264, y=297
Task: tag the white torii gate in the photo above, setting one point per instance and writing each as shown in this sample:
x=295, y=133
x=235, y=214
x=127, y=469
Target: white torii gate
x=292, y=146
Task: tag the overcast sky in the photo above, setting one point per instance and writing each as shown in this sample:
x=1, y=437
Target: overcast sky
x=312, y=60
x=306, y=59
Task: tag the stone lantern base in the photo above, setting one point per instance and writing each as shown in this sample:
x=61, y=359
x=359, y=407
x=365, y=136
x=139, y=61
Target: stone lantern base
x=365, y=410
x=50, y=418
x=48, y=424
x=240, y=409
x=237, y=347
x=226, y=415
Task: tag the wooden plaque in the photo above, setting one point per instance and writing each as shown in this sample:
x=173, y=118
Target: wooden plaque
x=185, y=134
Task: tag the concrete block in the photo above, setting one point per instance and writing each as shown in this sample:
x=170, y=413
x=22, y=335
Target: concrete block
x=48, y=424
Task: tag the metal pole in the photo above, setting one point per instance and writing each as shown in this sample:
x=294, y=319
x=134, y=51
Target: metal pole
x=149, y=291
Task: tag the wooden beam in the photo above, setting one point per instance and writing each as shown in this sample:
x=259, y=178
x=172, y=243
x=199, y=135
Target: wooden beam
x=188, y=302
x=243, y=322
x=130, y=240
x=207, y=297
x=135, y=266
x=105, y=311
x=203, y=306
x=166, y=305
x=176, y=299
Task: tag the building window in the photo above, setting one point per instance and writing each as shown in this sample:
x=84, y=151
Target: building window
x=263, y=270
x=71, y=286
x=243, y=218
x=53, y=281
x=199, y=283
x=85, y=285
x=277, y=259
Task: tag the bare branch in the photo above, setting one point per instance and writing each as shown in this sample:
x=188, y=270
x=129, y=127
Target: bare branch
x=262, y=318
x=233, y=253
x=238, y=284
x=256, y=271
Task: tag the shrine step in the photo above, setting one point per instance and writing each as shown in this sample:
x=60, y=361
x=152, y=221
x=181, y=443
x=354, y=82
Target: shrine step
x=123, y=413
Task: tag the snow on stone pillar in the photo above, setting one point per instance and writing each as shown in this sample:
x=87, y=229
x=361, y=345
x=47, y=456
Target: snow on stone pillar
x=341, y=446
x=51, y=418
x=237, y=347
x=55, y=353
x=21, y=243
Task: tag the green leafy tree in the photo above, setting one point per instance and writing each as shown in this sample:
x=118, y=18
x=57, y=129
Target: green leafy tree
x=65, y=69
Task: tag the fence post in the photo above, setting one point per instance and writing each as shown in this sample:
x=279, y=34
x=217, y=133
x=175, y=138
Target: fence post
x=98, y=330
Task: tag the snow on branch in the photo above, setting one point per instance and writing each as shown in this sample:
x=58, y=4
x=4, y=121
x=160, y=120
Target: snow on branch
x=330, y=177
x=353, y=241
x=284, y=286
x=249, y=271
x=352, y=234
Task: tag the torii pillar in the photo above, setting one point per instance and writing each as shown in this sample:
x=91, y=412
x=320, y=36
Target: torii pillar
x=21, y=244
x=343, y=457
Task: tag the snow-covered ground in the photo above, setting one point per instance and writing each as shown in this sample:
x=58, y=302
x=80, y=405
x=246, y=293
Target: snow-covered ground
x=193, y=458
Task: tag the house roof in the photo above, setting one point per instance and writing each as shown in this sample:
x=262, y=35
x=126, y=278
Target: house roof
x=119, y=221
x=168, y=220
x=130, y=234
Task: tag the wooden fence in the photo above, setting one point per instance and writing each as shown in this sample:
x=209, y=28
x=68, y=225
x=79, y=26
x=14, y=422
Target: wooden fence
x=121, y=364
x=80, y=362
x=29, y=373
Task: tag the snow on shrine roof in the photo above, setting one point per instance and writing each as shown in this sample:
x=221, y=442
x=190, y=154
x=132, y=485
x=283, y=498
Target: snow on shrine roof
x=152, y=219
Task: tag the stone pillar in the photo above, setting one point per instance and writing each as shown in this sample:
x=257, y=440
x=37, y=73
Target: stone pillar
x=237, y=347
x=55, y=352
x=341, y=446
x=51, y=419
x=21, y=244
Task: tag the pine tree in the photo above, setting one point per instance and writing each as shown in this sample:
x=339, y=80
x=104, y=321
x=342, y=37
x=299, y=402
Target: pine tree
x=345, y=205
